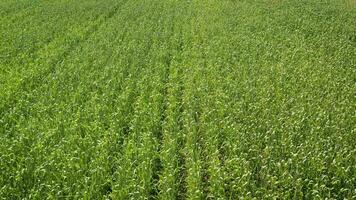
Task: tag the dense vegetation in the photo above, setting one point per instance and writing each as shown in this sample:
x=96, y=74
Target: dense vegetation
x=177, y=99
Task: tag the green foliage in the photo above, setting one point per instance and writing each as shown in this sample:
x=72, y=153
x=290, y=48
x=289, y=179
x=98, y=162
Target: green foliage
x=214, y=99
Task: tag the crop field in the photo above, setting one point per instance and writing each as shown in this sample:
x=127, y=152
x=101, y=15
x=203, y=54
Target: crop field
x=177, y=99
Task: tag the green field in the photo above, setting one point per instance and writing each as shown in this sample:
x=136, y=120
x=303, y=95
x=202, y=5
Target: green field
x=177, y=99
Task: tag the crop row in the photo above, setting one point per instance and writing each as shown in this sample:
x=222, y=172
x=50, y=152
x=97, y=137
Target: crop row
x=177, y=99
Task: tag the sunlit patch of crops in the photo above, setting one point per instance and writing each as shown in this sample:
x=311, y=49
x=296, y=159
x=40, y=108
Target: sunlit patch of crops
x=211, y=99
x=350, y=3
